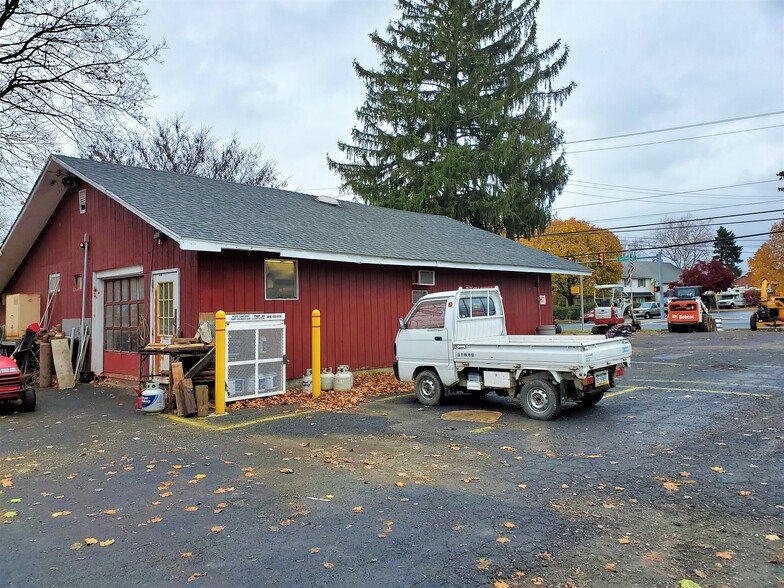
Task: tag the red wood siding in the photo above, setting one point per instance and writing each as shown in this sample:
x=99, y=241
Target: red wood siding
x=118, y=239
x=359, y=304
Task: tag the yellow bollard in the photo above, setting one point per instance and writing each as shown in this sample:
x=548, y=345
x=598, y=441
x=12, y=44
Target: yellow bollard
x=220, y=362
x=315, y=323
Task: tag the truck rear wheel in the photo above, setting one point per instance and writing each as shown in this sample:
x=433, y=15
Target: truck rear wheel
x=429, y=389
x=540, y=400
x=590, y=399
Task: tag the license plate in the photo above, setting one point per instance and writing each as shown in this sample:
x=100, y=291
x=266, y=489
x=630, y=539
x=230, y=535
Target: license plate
x=601, y=378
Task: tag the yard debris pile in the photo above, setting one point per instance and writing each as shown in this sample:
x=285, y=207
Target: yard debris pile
x=366, y=385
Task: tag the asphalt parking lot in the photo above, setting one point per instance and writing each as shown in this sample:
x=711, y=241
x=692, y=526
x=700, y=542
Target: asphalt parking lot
x=677, y=474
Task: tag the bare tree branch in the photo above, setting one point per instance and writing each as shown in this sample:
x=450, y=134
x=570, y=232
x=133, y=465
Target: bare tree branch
x=70, y=70
x=684, y=241
x=175, y=147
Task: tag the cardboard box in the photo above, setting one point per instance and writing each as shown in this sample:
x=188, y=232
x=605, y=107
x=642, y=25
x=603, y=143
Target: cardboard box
x=21, y=310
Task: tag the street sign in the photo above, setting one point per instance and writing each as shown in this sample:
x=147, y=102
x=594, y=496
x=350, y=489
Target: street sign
x=626, y=258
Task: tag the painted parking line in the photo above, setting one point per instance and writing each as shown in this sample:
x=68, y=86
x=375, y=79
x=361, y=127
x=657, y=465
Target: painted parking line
x=695, y=390
x=213, y=426
x=714, y=383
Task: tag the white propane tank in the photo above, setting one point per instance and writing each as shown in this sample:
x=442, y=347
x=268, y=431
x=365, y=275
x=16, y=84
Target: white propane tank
x=327, y=378
x=344, y=379
x=153, y=398
x=307, y=381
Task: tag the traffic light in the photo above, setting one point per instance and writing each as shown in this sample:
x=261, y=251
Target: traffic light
x=601, y=259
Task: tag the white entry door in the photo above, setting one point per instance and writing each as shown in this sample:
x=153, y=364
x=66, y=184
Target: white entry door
x=165, y=310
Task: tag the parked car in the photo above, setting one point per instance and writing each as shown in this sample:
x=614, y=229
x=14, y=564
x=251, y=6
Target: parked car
x=648, y=310
x=589, y=316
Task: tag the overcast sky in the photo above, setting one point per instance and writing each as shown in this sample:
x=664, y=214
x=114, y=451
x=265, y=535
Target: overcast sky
x=279, y=73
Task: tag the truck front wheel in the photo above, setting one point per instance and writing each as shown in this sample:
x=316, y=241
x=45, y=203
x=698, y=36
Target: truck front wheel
x=540, y=400
x=429, y=389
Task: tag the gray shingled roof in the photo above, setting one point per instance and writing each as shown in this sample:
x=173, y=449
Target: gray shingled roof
x=237, y=216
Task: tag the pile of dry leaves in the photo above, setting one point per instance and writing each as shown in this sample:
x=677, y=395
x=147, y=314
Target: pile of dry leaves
x=366, y=385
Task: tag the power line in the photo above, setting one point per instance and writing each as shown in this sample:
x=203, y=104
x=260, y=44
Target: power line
x=703, y=124
x=703, y=209
x=691, y=220
x=673, y=140
x=660, y=247
x=666, y=193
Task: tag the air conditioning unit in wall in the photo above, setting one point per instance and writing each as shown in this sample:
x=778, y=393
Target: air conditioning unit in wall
x=424, y=278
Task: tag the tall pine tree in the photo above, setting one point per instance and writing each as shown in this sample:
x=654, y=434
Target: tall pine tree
x=458, y=118
x=726, y=251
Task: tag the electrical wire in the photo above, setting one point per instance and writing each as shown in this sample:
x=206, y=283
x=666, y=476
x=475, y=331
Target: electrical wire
x=667, y=223
x=673, y=140
x=702, y=124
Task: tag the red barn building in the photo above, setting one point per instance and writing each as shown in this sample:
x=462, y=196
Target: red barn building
x=164, y=247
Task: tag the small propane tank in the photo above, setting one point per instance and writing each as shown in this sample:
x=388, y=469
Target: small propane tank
x=153, y=398
x=327, y=378
x=343, y=380
x=307, y=381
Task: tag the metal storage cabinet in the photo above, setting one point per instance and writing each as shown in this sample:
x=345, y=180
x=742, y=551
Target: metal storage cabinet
x=20, y=311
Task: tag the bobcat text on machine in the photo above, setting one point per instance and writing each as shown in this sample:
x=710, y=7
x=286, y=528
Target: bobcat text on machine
x=456, y=342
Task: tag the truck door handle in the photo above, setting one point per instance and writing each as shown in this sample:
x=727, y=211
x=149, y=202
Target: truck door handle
x=439, y=338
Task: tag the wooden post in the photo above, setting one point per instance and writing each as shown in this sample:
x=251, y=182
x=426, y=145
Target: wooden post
x=186, y=385
x=220, y=362
x=175, y=374
x=202, y=400
x=316, y=349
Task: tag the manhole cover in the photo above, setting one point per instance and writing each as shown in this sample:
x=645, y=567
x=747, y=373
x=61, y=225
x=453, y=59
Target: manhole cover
x=473, y=416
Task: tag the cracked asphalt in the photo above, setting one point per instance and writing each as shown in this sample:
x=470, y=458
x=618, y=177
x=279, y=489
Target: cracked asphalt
x=676, y=474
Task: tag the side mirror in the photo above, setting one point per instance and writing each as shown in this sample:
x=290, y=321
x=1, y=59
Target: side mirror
x=401, y=323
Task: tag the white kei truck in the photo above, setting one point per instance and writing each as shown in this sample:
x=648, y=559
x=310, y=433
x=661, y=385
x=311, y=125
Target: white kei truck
x=456, y=342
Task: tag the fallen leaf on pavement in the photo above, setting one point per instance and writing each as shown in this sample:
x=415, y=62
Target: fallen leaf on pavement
x=90, y=541
x=15, y=500
x=286, y=471
x=773, y=537
x=155, y=520
x=509, y=525
x=186, y=554
x=483, y=564
x=610, y=566
x=685, y=583
x=671, y=486
x=106, y=543
x=523, y=486
x=624, y=540
x=195, y=575
x=191, y=508
x=725, y=554
x=701, y=574
x=62, y=513
x=507, y=448
x=110, y=511
x=503, y=540
x=10, y=514
x=329, y=565
x=75, y=546
x=537, y=581
x=685, y=474
x=357, y=509
x=400, y=484
x=216, y=529
x=200, y=476
x=653, y=556
x=718, y=469
x=223, y=490
x=314, y=549
x=500, y=584
x=166, y=494
x=744, y=493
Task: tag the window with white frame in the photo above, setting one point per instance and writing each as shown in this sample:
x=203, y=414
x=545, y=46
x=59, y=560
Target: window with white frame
x=642, y=282
x=281, y=279
x=54, y=283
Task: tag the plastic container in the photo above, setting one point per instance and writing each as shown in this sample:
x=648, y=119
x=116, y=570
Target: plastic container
x=327, y=378
x=153, y=399
x=307, y=381
x=343, y=380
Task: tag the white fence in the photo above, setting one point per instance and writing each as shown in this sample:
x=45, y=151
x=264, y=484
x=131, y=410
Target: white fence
x=256, y=355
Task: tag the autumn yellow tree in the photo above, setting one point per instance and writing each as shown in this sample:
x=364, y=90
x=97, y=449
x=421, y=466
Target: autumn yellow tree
x=583, y=242
x=768, y=262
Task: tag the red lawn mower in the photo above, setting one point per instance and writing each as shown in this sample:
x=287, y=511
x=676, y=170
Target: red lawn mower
x=13, y=387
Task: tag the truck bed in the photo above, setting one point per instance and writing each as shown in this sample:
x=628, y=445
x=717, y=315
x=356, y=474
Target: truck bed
x=578, y=354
